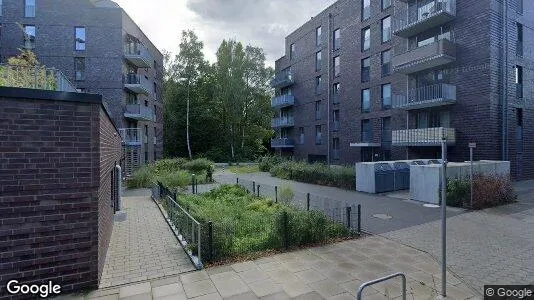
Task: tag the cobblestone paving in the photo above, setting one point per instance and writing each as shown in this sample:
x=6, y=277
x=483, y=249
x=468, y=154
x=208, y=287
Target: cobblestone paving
x=142, y=247
x=329, y=272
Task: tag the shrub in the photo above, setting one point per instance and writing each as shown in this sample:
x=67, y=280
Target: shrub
x=175, y=179
x=317, y=173
x=198, y=165
x=488, y=191
x=458, y=192
x=169, y=165
x=142, y=178
x=268, y=162
x=286, y=194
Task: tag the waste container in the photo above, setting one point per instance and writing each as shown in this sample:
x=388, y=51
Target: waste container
x=418, y=163
x=402, y=176
x=384, y=178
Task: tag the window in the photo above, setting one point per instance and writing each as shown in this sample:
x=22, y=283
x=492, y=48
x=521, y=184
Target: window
x=519, y=44
x=337, y=39
x=433, y=119
x=366, y=69
x=386, y=29
x=318, y=36
x=318, y=84
x=366, y=9
x=0, y=8
x=386, y=63
x=336, y=120
x=79, y=68
x=367, y=133
x=29, y=36
x=337, y=66
x=520, y=7
x=155, y=88
x=519, y=81
x=318, y=60
x=386, y=96
x=366, y=101
x=29, y=8
x=301, y=135
x=366, y=39
x=154, y=113
x=318, y=110
x=335, y=148
x=131, y=99
x=336, y=92
x=386, y=4
x=386, y=130
x=79, y=38
x=318, y=135
x=292, y=51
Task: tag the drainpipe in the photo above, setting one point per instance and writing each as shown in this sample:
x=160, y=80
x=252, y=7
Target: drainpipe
x=329, y=83
x=505, y=83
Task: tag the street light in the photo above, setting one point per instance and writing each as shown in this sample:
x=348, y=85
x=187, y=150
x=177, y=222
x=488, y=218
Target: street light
x=444, y=214
x=187, y=116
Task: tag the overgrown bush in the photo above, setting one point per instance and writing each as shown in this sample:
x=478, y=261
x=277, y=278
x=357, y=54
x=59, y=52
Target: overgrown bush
x=342, y=177
x=199, y=165
x=488, y=191
x=286, y=194
x=266, y=163
x=142, y=178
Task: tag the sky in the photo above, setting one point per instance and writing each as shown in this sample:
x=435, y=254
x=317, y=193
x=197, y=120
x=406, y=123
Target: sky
x=262, y=23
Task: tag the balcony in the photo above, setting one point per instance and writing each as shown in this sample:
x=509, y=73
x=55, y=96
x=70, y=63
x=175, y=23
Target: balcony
x=433, y=55
x=282, y=79
x=423, y=137
x=426, y=96
x=40, y=78
x=282, y=122
x=433, y=14
x=137, y=54
x=139, y=112
x=283, y=101
x=282, y=143
x=131, y=136
x=137, y=84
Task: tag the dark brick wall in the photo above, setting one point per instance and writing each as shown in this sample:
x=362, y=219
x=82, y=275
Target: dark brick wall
x=50, y=194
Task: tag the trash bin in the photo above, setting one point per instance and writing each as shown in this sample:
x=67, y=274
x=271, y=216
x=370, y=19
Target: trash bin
x=402, y=176
x=418, y=163
x=384, y=178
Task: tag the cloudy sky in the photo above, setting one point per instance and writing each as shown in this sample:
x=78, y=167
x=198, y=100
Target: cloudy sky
x=262, y=23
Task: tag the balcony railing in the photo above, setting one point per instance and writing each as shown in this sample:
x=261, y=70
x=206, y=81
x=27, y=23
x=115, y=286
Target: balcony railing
x=282, y=101
x=436, y=54
x=139, y=112
x=131, y=136
x=426, y=96
x=137, y=54
x=282, y=143
x=137, y=84
x=282, y=122
x=40, y=78
x=423, y=137
x=282, y=80
x=409, y=23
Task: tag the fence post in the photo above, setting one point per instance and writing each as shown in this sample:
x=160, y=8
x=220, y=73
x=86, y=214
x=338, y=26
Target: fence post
x=237, y=181
x=253, y=187
x=210, y=241
x=285, y=230
x=349, y=209
x=275, y=194
x=258, y=189
x=308, y=201
x=196, y=186
x=359, y=219
x=193, y=184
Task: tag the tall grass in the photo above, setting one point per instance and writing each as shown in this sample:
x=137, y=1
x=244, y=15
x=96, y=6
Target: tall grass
x=342, y=177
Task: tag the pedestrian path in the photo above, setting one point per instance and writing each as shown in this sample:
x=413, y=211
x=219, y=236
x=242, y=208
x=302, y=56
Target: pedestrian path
x=142, y=246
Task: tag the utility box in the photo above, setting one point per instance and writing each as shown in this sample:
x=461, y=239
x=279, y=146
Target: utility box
x=402, y=175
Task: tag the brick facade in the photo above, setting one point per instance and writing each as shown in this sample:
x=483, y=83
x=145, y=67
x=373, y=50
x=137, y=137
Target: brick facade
x=56, y=154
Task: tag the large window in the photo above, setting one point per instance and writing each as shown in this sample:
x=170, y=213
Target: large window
x=336, y=120
x=337, y=66
x=301, y=135
x=318, y=60
x=292, y=51
x=318, y=110
x=367, y=131
x=318, y=36
x=79, y=33
x=337, y=39
x=386, y=96
x=386, y=29
x=318, y=135
x=366, y=69
x=519, y=81
x=29, y=36
x=366, y=38
x=366, y=9
x=318, y=85
x=519, y=43
x=79, y=68
x=0, y=8
x=336, y=92
x=335, y=147
x=29, y=8
x=366, y=100
x=386, y=63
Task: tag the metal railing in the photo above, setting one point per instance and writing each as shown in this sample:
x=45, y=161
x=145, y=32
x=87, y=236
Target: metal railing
x=359, y=295
x=283, y=78
x=423, y=136
x=283, y=122
x=283, y=100
x=282, y=142
x=423, y=13
x=139, y=111
x=431, y=94
x=36, y=77
x=130, y=135
x=137, y=50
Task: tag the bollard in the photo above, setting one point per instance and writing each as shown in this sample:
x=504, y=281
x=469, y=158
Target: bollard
x=276, y=194
x=253, y=187
x=237, y=181
x=359, y=219
x=308, y=201
x=349, y=209
x=258, y=189
x=193, y=184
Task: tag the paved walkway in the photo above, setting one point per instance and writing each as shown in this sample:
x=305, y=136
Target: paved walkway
x=329, y=272
x=380, y=213
x=142, y=246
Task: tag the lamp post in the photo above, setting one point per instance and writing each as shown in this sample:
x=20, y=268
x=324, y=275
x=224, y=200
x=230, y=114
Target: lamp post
x=187, y=118
x=444, y=215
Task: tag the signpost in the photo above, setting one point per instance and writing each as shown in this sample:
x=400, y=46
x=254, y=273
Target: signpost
x=472, y=146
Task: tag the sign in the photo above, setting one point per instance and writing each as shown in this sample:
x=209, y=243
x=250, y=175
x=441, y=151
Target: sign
x=472, y=145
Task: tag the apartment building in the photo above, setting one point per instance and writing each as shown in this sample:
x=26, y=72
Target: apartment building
x=102, y=51
x=369, y=80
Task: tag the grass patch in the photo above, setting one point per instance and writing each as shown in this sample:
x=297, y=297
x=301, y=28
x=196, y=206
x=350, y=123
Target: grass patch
x=244, y=169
